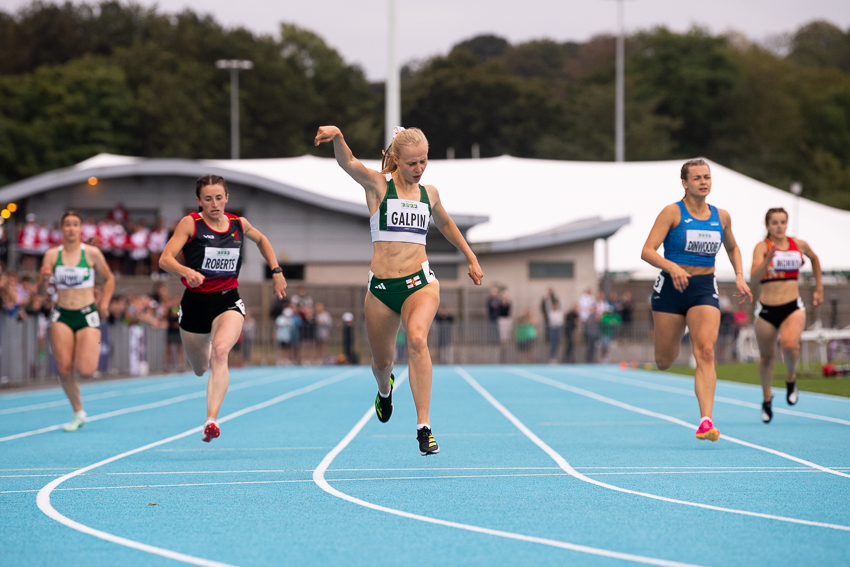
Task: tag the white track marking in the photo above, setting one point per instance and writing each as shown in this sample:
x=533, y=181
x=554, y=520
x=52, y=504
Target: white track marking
x=319, y=479
x=43, y=498
x=384, y=478
x=690, y=393
x=671, y=419
x=590, y=471
x=153, y=405
x=573, y=472
x=101, y=396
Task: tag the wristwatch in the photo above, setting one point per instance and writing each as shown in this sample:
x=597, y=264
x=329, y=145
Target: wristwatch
x=277, y=270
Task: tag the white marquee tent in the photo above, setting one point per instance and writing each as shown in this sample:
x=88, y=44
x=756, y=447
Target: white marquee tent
x=522, y=197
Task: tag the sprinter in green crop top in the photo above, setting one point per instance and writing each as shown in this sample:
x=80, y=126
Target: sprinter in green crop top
x=75, y=328
x=402, y=287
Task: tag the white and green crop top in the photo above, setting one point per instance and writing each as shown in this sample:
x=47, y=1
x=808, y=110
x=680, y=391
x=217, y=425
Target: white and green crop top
x=400, y=220
x=80, y=276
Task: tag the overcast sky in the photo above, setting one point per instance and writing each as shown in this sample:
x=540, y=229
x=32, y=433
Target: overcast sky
x=358, y=28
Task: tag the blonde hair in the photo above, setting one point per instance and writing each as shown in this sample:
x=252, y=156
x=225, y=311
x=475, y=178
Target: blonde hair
x=408, y=137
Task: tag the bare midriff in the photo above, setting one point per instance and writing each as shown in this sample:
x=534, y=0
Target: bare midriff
x=698, y=270
x=396, y=259
x=75, y=299
x=779, y=292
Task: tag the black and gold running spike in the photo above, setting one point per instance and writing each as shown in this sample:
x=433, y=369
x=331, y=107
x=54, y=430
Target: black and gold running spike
x=427, y=444
x=384, y=406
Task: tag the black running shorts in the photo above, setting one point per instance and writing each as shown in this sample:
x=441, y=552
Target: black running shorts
x=198, y=310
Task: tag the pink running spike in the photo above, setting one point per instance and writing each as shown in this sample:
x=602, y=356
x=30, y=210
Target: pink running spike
x=707, y=430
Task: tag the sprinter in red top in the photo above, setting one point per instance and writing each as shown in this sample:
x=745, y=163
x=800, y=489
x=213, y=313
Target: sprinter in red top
x=780, y=311
x=211, y=312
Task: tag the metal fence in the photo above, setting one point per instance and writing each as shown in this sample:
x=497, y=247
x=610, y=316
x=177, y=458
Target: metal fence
x=126, y=350
x=132, y=350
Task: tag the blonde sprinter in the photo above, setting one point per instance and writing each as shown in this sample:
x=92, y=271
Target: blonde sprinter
x=402, y=287
x=780, y=312
x=75, y=320
x=685, y=292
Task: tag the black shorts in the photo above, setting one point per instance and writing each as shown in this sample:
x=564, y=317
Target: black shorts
x=198, y=309
x=701, y=290
x=776, y=314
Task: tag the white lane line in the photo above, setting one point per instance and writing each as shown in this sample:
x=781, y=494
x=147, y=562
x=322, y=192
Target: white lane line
x=43, y=498
x=671, y=419
x=573, y=472
x=319, y=479
x=383, y=478
x=690, y=393
x=167, y=402
x=590, y=471
x=102, y=396
x=744, y=386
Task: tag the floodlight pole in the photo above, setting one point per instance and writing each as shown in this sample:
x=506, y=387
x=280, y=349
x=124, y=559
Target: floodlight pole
x=234, y=65
x=797, y=189
x=392, y=115
x=620, y=127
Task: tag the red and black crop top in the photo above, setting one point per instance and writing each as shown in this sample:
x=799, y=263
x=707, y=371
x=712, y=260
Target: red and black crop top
x=216, y=255
x=785, y=264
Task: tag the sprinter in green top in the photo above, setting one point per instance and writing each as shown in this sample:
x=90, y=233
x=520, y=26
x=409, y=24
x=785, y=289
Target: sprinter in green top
x=75, y=328
x=402, y=287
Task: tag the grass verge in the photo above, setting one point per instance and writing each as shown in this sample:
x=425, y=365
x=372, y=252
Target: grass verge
x=748, y=373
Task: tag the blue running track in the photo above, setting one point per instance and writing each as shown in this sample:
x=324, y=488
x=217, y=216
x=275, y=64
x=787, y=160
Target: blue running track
x=539, y=465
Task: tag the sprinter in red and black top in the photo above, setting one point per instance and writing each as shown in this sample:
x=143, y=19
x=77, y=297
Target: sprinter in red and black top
x=780, y=311
x=211, y=312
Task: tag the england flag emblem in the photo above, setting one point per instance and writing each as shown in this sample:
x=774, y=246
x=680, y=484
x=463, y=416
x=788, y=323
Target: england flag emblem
x=413, y=282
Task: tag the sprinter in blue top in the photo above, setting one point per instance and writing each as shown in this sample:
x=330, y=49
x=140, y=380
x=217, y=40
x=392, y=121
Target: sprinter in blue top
x=685, y=292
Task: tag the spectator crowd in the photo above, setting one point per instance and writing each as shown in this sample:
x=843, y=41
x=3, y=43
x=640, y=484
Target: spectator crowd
x=131, y=246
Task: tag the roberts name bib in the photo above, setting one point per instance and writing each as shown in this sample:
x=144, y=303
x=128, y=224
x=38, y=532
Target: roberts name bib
x=702, y=242
x=787, y=261
x=220, y=261
x=407, y=216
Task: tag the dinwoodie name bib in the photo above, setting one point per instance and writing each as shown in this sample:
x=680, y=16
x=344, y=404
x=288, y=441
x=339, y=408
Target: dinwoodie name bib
x=694, y=242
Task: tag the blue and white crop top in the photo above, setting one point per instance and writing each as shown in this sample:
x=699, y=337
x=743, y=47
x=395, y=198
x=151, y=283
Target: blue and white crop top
x=401, y=220
x=694, y=242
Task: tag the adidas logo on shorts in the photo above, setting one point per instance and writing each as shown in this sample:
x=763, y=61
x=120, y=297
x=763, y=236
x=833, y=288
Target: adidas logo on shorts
x=381, y=286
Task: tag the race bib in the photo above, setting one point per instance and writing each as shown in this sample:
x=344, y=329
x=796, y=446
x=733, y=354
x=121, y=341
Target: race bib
x=702, y=242
x=407, y=216
x=72, y=276
x=787, y=261
x=220, y=261
x=659, y=283
x=93, y=319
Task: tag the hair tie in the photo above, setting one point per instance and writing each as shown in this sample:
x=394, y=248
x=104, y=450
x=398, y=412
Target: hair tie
x=397, y=130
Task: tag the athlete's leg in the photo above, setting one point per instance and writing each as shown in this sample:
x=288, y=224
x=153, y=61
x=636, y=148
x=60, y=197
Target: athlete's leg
x=669, y=328
x=417, y=314
x=789, y=336
x=226, y=329
x=704, y=325
x=62, y=343
x=197, y=349
x=381, y=330
x=766, y=337
x=87, y=350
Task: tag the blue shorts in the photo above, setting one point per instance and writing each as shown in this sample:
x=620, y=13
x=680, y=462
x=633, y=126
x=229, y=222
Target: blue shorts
x=701, y=290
